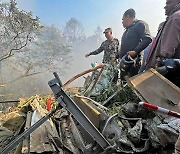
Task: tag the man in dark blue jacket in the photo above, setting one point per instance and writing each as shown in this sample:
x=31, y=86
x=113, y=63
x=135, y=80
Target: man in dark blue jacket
x=135, y=38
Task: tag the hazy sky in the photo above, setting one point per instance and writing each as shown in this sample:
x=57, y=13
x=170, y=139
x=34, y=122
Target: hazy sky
x=93, y=13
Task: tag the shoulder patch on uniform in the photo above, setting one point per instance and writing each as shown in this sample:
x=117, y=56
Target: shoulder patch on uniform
x=116, y=39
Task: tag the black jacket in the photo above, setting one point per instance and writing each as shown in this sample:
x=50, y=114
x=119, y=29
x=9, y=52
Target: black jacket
x=136, y=37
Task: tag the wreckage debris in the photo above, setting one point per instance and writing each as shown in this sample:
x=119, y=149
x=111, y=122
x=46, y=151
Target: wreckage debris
x=61, y=134
x=130, y=128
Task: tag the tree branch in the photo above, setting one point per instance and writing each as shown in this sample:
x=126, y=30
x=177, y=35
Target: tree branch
x=26, y=75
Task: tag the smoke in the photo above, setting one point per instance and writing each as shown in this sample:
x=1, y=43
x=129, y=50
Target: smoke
x=150, y=11
x=14, y=87
x=80, y=63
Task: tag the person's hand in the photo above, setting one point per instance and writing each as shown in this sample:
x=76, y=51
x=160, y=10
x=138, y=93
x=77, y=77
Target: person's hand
x=87, y=55
x=119, y=60
x=132, y=53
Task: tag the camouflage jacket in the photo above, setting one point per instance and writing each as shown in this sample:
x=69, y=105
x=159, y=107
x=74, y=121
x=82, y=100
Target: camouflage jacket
x=110, y=48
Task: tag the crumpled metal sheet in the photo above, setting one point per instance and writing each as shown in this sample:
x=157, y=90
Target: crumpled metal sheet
x=157, y=135
x=157, y=129
x=13, y=120
x=171, y=125
x=5, y=137
x=135, y=132
x=126, y=140
x=126, y=146
x=131, y=109
x=39, y=141
x=44, y=132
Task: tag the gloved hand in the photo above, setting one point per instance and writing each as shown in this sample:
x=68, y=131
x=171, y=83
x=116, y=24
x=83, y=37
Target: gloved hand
x=87, y=55
x=126, y=63
x=170, y=64
x=177, y=61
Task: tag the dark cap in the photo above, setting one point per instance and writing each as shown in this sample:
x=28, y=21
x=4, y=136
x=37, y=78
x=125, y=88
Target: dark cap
x=130, y=13
x=107, y=30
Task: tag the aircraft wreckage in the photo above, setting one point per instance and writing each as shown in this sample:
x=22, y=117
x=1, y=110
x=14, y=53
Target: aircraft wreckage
x=136, y=116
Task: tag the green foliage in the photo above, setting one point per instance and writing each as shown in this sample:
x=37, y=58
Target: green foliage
x=106, y=87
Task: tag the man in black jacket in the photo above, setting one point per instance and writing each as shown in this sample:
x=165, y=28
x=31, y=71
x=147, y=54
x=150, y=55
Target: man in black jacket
x=134, y=40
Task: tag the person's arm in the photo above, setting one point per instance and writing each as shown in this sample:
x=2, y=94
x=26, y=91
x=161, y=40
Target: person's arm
x=99, y=50
x=170, y=38
x=117, y=49
x=120, y=54
x=144, y=33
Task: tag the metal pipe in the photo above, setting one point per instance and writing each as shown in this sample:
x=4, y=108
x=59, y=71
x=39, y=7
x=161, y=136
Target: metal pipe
x=159, y=109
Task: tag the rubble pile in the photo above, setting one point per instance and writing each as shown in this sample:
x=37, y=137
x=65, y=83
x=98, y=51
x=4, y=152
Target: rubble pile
x=143, y=127
x=113, y=110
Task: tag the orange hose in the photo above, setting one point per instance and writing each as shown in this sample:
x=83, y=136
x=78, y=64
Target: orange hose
x=83, y=73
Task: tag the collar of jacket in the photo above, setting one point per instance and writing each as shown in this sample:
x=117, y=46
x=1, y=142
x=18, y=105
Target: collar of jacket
x=176, y=8
x=134, y=22
x=111, y=39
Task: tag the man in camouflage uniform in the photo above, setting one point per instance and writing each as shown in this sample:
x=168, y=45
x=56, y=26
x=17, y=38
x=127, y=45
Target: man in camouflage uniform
x=110, y=48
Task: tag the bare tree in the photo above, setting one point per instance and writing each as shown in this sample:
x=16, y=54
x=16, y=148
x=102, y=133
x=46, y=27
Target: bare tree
x=98, y=34
x=97, y=37
x=27, y=47
x=17, y=29
x=74, y=31
x=48, y=52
